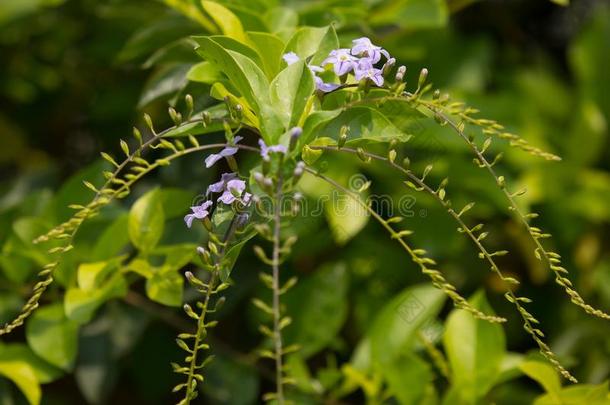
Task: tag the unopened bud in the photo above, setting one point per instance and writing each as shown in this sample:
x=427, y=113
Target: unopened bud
x=175, y=116
x=343, y=135
x=436, y=95
x=149, y=123
x=387, y=67
x=298, y=171
x=239, y=112
x=362, y=155
x=188, y=100
x=400, y=74
x=295, y=134
x=137, y=134
x=258, y=177
x=422, y=77
x=207, y=120
x=201, y=250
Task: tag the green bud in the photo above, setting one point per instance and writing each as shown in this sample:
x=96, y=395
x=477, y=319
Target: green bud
x=175, y=116
x=188, y=100
x=422, y=77
x=149, y=123
x=137, y=134
x=362, y=155
x=207, y=120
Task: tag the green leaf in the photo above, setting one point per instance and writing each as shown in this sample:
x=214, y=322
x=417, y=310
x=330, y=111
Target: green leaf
x=227, y=21
x=248, y=79
x=475, y=350
x=165, y=287
x=314, y=121
x=146, y=221
x=232, y=255
x=412, y=14
x=408, y=367
x=394, y=330
x=365, y=125
x=290, y=91
x=190, y=10
x=164, y=83
x=578, y=394
x=313, y=42
x=542, y=373
x=18, y=352
x=269, y=47
x=204, y=72
x=318, y=307
x=346, y=217
x=24, y=377
x=281, y=18
x=247, y=50
x=90, y=275
x=52, y=336
x=112, y=240
x=81, y=303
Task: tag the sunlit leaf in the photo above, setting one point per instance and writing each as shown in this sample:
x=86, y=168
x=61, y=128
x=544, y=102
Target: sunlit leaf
x=475, y=350
x=146, y=221
x=53, y=336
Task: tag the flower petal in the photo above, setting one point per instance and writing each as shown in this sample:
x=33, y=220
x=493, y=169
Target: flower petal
x=212, y=159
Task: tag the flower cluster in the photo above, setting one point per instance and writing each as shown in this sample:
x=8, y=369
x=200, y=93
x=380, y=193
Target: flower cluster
x=231, y=189
x=361, y=60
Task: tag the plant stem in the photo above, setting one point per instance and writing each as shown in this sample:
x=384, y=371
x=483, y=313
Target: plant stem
x=277, y=333
x=190, y=387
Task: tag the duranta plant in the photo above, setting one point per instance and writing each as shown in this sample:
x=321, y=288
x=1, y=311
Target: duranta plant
x=285, y=102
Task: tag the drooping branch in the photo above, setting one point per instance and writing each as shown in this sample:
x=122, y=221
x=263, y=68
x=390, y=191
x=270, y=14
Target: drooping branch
x=417, y=255
x=552, y=259
x=528, y=319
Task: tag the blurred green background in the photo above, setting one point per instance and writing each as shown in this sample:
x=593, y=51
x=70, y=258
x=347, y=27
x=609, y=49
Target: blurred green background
x=76, y=75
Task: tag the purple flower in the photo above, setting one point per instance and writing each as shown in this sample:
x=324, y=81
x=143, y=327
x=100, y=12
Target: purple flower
x=325, y=87
x=363, y=46
x=226, y=152
x=199, y=212
x=342, y=61
x=220, y=185
x=234, y=190
x=366, y=70
x=290, y=58
x=265, y=150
